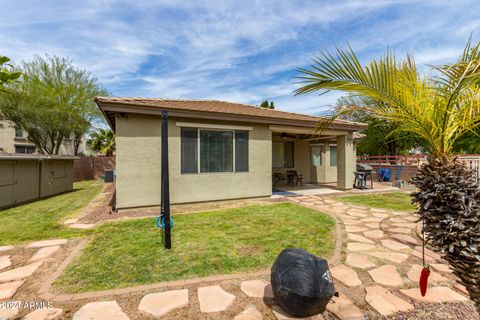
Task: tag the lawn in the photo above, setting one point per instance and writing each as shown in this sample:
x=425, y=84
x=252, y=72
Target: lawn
x=395, y=200
x=216, y=242
x=42, y=219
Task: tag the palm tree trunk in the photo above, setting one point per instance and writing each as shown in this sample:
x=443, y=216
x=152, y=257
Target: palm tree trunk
x=448, y=200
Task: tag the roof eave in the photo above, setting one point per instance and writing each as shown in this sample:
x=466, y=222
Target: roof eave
x=145, y=109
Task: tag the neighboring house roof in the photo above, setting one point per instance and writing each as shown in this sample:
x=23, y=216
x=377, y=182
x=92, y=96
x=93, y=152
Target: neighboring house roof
x=213, y=109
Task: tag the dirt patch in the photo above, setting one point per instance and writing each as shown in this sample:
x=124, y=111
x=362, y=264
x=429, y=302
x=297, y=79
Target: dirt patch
x=100, y=209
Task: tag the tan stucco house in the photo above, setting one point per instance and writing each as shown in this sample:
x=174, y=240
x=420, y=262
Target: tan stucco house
x=221, y=150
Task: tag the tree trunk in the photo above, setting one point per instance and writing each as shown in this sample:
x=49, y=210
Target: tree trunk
x=448, y=199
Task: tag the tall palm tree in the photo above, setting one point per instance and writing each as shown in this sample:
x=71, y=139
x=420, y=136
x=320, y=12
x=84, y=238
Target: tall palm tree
x=102, y=141
x=440, y=109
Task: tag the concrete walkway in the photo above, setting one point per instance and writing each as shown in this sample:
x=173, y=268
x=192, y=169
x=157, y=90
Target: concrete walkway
x=376, y=276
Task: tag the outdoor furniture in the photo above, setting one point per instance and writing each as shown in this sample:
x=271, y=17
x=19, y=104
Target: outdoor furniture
x=278, y=177
x=294, y=178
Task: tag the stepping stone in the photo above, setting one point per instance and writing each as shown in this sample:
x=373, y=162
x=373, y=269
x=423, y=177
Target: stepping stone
x=214, y=299
x=44, y=252
x=6, y=314
x=47, y=243
x=103, y=310
x=346, y=276
x=380, y=215
x=159, y=304
x=5, y=262
x=44, y=314
x=81, y=225
x=351, y=222
x=434, y=294
x=441, y=267
x=384, y=302
x=414, y=274
x=396, y=220
x=355, y=229
x=390, y=256
x=411, y=226
x=257, y=288
x=358, y=246
x=372, y=219
x=386, y=275
x=373, y=225
x=6, y=248
x=20, y=273
x=250, y=313
x=359, y=261
x=8, y=289
x=429, y=252
x=394, y=245
x=374, y=234
x=418, y=254
x=70, y=221
x=356, y=214
x=358, y=238
x=281, y=314
x=461, y=288
x=405, y=238
x=343, y=308
x=378, y=210
x=400, y=230
x=410, y=218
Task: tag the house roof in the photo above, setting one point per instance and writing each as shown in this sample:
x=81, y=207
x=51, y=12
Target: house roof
x=213, y=109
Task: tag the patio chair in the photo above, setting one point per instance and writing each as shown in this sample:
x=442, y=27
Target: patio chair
x=295, y=177
x=278, y=177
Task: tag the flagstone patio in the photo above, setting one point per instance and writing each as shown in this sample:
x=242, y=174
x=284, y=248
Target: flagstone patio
x=376, y=276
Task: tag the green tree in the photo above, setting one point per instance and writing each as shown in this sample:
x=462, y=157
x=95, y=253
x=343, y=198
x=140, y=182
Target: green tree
x=6, y=74
x=267, y=105
x=53, y=101
x=439, y=108
x=381, y=136
x=102, y=141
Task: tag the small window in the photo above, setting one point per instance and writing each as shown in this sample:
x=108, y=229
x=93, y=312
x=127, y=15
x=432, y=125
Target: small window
x=24, y=149
x=241, y=151
x=283, y=154
x=316, y=156
x=18, y=133
x=333, y=156
x=189, y=145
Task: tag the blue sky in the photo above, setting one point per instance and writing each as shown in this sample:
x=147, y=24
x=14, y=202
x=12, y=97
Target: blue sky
x=242, y=51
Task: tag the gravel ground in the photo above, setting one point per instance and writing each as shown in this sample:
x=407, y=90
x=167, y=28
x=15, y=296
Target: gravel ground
x=445, y=311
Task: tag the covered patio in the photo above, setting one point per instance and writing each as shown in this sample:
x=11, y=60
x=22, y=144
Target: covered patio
x=303, y=160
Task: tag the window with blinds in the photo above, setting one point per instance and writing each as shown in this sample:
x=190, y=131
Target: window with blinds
x=208, y=151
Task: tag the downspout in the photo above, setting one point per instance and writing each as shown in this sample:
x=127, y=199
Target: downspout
x=164, y=182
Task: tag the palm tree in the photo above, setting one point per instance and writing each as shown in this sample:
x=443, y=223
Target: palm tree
x=440, y=109
x=102, y=141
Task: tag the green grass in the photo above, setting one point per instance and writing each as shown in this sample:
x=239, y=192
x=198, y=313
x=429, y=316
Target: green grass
x=42, y=219
x=395, y=200
x=216, y=242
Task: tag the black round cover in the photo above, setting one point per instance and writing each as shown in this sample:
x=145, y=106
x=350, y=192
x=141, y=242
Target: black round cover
x=301, y=282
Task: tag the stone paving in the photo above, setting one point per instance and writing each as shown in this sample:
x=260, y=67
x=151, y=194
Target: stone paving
x=378, y=274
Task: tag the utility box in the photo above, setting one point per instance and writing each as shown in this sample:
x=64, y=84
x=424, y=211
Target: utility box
x=109, y=176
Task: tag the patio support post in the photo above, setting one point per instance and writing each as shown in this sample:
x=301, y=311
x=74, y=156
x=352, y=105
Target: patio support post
x=346, y=162
x=165, y=183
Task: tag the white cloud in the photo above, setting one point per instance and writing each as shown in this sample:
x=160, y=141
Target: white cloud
x=242, y=51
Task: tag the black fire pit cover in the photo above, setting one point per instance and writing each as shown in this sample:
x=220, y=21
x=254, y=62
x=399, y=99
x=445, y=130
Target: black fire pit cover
x=301, y=282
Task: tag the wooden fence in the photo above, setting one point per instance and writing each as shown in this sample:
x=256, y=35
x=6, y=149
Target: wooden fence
x=404, y=167
x=88, y=168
